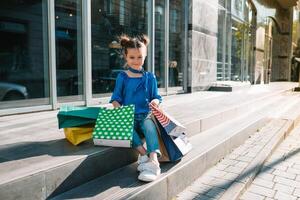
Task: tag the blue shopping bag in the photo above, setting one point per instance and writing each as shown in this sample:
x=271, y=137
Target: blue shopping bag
x=173, y=151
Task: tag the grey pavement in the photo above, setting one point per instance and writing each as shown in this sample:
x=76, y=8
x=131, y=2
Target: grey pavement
x=224, y=179
x=258, y=169
x=280, y=177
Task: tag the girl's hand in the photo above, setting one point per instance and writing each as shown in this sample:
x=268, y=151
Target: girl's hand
x=116, y=104
x=155, y=102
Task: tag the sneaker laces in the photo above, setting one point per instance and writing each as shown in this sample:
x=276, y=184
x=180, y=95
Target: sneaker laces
x=151, y=166
x=142, y=159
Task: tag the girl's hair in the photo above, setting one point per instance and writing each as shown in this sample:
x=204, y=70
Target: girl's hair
x=128, y=42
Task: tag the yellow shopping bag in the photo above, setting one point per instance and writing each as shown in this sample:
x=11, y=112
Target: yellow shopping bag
x=76, y=135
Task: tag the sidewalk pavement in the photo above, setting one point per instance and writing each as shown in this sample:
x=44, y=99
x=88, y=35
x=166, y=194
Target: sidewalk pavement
x=280, y=175
x=278, y=178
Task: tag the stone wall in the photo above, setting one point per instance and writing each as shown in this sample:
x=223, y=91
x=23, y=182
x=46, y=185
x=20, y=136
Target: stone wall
x=202, y=55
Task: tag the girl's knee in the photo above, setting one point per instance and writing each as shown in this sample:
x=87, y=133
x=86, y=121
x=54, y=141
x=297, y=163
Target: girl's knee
x=149, y=124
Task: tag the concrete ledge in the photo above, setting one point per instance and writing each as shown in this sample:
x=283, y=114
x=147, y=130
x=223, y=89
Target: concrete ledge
x=229, y=86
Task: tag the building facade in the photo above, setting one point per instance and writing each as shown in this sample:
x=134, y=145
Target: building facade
x=56, y=52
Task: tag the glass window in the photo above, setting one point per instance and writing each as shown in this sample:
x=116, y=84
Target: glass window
x=228, y=47
x=222, y=3
x=68, y=35
x=109, y=20
x=236, y=51
x=160, y=43
x=24, y=67
x=221, y=43
x=176, y=43
x=239, y=51
x=122, y=12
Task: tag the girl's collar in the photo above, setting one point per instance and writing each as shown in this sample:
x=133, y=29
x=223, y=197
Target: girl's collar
x=136, y=71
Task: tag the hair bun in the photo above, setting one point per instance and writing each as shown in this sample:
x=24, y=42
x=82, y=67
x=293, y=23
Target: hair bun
x=124, y=39
x=144, y=39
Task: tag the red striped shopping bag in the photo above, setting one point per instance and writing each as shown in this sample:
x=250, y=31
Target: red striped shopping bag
x=171, y=126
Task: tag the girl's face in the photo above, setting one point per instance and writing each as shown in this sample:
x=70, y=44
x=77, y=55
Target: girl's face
x=135, y=57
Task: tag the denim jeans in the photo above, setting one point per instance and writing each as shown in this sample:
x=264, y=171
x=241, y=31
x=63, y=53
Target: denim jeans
x=145, y=127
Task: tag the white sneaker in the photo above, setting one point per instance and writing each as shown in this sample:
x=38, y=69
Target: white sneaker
x=150, y=172
x=142, y=159
x=146, y=165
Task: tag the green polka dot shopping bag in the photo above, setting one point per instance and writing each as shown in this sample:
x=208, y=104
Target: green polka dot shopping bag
x=114, y=127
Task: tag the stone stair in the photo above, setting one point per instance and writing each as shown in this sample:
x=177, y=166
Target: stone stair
x=36, y=162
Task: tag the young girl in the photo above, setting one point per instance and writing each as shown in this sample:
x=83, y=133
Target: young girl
x=135, y=86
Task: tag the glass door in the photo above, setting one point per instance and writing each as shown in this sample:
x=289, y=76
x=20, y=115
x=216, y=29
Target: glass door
x=268, y=50
x=221, y=49
x=68, y=36
x=239, y=51
x=176, y=44
x=24, y=69
x=160, y=64
x=110, y=19
x=236, y=51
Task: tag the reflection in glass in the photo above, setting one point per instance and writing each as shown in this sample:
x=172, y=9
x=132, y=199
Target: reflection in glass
x=68, y=49
x=221, y=43
x=237, y=51
x=228, y=47
x=111, y=18
x=24, y=79
x=176, y=54
x=269, y=34
x=160, y=43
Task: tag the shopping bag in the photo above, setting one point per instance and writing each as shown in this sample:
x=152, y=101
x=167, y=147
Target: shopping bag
x=183, y=144
x=114, y=127
x=71, y=116
x=174, y=153
x=164, y=153
x=77, y=135
x=172, y=126
x=176, y=147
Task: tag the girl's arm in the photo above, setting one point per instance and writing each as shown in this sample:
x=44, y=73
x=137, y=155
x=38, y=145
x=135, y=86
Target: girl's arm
x=156, y=98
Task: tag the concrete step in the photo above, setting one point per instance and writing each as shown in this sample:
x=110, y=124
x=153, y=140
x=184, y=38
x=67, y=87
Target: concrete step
x=123, y=183
x=229, y=176
x=228, y=179
x=199, y=109
x=39, y=163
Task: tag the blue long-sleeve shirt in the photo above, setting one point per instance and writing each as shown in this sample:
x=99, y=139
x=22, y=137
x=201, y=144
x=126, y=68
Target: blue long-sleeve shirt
x=138, y=91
